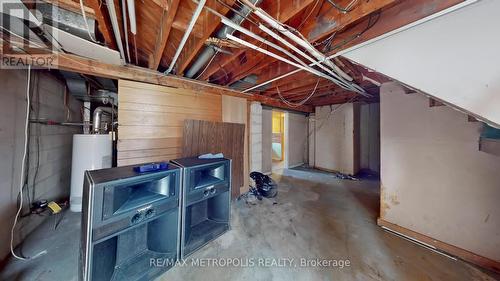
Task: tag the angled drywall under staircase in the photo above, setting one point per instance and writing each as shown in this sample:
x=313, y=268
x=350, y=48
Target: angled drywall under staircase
x=455, y=58
x=434, y=179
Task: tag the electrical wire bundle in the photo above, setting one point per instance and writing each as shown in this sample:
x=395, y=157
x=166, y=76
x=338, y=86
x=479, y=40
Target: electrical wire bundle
x=332, y=73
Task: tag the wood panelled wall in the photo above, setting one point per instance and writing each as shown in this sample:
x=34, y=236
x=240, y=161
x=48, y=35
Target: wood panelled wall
x=151, y=120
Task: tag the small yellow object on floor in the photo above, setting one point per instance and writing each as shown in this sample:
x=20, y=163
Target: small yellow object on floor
x=54, y=207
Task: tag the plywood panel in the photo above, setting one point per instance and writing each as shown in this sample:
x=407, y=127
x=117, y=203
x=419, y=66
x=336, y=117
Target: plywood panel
x=151, y=120
x=213, y=137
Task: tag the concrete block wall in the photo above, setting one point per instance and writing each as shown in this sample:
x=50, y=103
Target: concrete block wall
x=256, y=137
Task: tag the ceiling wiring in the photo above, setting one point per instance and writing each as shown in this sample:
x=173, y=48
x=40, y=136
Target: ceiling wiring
x=308, y=15
x=240, y=60
x=293, y=104
x=86, y=22
x=333, y=110
x=22, y=38
x=208, y=64
x=326, y=43
x=23, y=171
x=236, y=11
x=322, y=87
x=345, y=10
x=372, y=21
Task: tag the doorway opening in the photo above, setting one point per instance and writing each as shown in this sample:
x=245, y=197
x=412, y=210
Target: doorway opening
x=278, y=143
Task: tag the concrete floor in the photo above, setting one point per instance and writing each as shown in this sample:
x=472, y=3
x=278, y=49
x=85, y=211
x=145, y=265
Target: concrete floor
x=316, y=216
x=277, y=166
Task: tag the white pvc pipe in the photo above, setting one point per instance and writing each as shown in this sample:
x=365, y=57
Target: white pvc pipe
x=277, y=25
x=378, y=38
x=297, y=50
x=271, y=54
x=196, y=14
x=257, y=37
x=131, y=16
x=338, y=80
x=116, y=27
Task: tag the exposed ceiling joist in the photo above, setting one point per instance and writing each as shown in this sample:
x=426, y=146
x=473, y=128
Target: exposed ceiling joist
x=162, y=3
x=81, y=65
x=337, y=21
x=103, y=22
x=392, y=17
x=168, y=17
x=317, y=20
x=210, y=23
x=279, y=104
x=286, y=12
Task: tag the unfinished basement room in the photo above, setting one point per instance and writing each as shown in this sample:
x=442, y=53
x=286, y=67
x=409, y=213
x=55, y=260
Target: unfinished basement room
x=221, y=140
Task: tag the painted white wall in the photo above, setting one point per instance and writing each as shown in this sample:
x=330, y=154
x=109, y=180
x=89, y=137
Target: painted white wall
x=435, y=181
x=296, y=141
x=335, y=146
x=454, y=57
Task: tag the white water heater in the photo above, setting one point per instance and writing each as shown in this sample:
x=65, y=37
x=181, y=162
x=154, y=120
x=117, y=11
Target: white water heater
x=90, y=152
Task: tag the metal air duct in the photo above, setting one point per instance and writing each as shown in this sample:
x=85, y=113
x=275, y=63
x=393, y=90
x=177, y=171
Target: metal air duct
x=208, y=52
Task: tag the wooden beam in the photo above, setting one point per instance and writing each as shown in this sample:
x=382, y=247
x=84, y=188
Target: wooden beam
x=471, y=118
x=162, y=37
x=434, y=102
x=275, y=69
x=337, y=20
x=77, y=64
x=162, y=3
x=258, y=62
x=297, y=84
x=103, y=23
x=279, y=104
x=331, y=100
x=222, y=43
x=306, y=90
x=286, y=13
x=194, y=44
x=392, y=17
x=341, y=20
x=81, y=65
